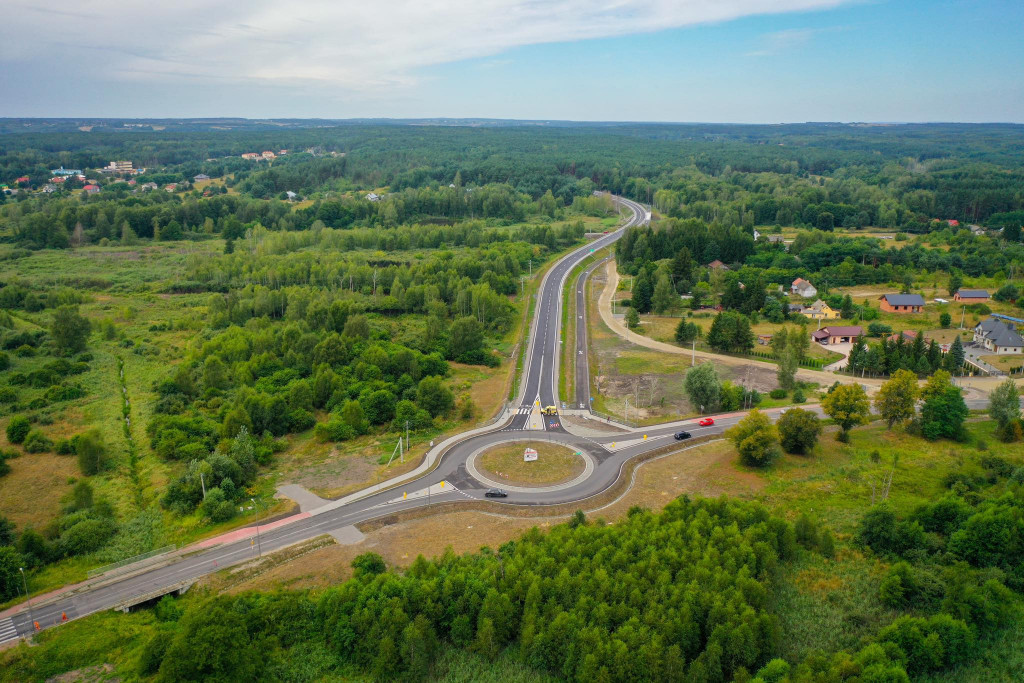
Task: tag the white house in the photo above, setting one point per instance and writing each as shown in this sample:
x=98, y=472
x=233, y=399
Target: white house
x=803, y=288
x=999, y=336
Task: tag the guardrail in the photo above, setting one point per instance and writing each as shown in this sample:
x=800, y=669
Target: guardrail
x=126, y=563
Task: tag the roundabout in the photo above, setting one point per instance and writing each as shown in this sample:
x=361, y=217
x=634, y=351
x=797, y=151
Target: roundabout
x=559, y=465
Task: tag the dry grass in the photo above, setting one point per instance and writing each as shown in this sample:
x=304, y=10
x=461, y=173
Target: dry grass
x=30, y=495
x=554, y=464
x=1005, y=362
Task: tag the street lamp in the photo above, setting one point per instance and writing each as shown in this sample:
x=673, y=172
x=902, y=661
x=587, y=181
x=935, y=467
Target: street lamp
x=27, y=595
x=259, y=549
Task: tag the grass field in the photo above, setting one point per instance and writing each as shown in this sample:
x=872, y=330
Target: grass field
x=555, y=464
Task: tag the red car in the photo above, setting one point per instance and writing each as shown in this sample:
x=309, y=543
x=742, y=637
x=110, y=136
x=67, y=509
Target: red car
x=707, y=422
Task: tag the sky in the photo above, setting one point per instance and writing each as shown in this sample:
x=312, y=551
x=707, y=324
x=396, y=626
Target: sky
x=744, y=61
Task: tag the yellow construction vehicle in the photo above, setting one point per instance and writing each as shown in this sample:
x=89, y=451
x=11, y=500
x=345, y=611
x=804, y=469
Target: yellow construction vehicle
x=550, y=410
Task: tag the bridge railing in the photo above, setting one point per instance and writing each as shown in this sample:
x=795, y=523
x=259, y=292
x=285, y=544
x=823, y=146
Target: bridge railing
x=125, y=565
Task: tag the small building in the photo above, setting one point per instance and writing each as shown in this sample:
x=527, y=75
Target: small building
x=794, y=308
x=149, y=186
x=91, y=189
x=118, y=167
x=200, y=176
x=838, y=334
x=820, y=310
x=268, y=154
x=803, y=288
x=717, y=265
x=171, y=187
x=971, y=296
x=48, y=188
x=58, y=179
x=908, y=336
x=251, y=156
x=66, y=171
x=22, y=180
x=998, y=336
x=901, y=303
x=373, y=197
x=953, y=223
x=291, y=195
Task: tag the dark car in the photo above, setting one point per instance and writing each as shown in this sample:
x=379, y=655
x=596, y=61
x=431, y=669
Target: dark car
x=496, y=493
x=682, y=435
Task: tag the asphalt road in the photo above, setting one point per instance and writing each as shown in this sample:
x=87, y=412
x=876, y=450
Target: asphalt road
x=609, y=453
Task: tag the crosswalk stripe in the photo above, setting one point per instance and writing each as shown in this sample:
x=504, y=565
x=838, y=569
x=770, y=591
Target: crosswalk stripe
x=7, y=630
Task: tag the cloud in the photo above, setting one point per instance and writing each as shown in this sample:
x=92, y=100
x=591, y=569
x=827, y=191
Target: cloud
x=347, y=44
x=782, y=41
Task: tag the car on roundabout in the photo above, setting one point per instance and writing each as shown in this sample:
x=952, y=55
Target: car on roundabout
x=680, y=436
x=496, y=493
x=707, y=422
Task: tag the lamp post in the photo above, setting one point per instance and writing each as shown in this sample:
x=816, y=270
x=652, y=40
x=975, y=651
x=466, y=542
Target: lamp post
x=259, y=549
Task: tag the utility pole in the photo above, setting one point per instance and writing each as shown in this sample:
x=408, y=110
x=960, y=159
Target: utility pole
x=406, y=435
x=259, y=548
x=962, y=314
x=693, y=354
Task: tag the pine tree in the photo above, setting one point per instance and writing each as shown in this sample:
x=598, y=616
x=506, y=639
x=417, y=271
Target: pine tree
x=955, y=358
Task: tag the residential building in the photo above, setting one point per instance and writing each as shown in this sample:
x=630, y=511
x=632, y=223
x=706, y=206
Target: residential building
x=91, y=189
x=803, y=288
x=998, y=336
x=373, y=197
x=268, y=154
x=149, y=186
x=971, y=296
x=290, y=195
x=251, y=156
x=49, y=187
x=838, y=334
x=118, y=167
x=171, y=187
x=200, y=176
x=901, y=303
x=23, y=179
x=717, y=265
x=820, y=310
x=909, y=336
x=66, y=171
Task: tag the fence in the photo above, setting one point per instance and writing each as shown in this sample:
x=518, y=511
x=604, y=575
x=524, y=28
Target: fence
x=93, y=573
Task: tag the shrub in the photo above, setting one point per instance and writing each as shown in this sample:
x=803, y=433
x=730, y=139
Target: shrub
x=798, y=395
x=91, y=451
x=335, y=429
x=8, y=395
x=18, y=428
x=37, y=442
x=777, y=393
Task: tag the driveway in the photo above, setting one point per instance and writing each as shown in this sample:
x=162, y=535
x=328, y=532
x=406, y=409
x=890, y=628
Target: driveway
x=973, y=352
x=844, y=349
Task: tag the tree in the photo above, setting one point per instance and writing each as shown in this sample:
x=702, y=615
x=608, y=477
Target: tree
x=956, y=357
x=467, y=338
x=643, y=290
x=956, y=281
x=937, y=384
x=10, y=577
x=211, y=643
x=786, y=372
x=91, y=451
x=943, y=415
x=848, y=406
x=357, y=327
x=18, y=428
x=700, y=293
x=730, y=331
x=352, y=415
x=434, y=397
x=847, y=309
x=686, y=332
x=69, y=329
x=379, y=406
x=632, y=318
x=756, y=439
x=664, y=297
x=798, y=430
x=703, y=387
x=1004, y=403
x=896, y=399
x=945, y=320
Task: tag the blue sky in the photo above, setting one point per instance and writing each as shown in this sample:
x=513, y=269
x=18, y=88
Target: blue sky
x=648, y=60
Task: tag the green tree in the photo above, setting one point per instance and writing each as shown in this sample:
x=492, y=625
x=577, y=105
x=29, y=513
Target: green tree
x=943, y=415
x=632, y=318
x=896, y=400
x=686, y=332
x=352, y=415
x=956, y=357
x=1004, y=403
x=664, y=298
x=357, y=327
x=10, y=577
x=703, y=387
x=756, y=439
x=92, y=452
x=643, y=291
x=956, y=281
x=848, y=406
x=467, y=338
x=945, y=320
x=434, y=397
x=69, y=329
x=798, y=430
x=211, y=643
x=787, y=367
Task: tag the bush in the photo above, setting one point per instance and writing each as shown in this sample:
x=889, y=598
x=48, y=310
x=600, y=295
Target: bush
x=335, y=429
x=798, y=395
x=938, y=642
x=878, y=329
x=777, y=393
x=8, y=395
x=37, y=442
x=18, y=428
x=91, y=451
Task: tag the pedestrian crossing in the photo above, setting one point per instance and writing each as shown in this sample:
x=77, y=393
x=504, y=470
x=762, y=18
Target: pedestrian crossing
x=7, y=630
x=524, y=410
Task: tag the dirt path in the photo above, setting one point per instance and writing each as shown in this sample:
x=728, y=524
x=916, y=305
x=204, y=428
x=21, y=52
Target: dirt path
x=619, y=328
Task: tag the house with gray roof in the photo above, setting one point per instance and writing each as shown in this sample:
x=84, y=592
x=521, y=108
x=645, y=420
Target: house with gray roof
x=901, y=303
x=998, y=336
x=971, y=296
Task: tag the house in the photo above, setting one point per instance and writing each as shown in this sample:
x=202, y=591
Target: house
x=909, y=336
x=91, y=189
x=290, y=195
x=251, y=156
x=22, y=179
x=803, y=288
x=717, y=265
x=971, y=296
x=998, y=336
x=49, y=187
x=953, y=223
x=58, y=179
x=976, y=229
x=66, y=171
x=149, y=186
x=133, y=181
x=757, y=235
x=838, y=334
x=268, y=154
x=282, y=152
x=171, y=187
x=820, y=310
x=901, y=303
x=200, y=176
x=373, y=197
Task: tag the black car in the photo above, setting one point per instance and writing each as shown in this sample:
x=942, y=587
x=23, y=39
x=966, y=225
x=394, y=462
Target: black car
x=682, y=435
x=496, y=493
